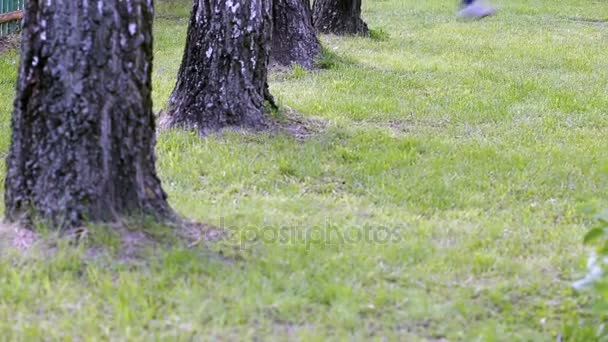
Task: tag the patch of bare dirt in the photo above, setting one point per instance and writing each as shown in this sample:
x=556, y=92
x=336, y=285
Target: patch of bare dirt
x=16, y=237
x=134, y=241
x=297, y=125
x=196, y=233
x=9, y=42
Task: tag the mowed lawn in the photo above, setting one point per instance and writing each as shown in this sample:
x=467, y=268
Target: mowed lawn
x=442, y=196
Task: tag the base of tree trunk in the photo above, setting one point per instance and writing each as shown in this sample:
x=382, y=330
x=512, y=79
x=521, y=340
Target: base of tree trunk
x=222, y=81
x=83, y=131
x=134, y=237
x=168, y=120
x=294, y=40
x=340, y=17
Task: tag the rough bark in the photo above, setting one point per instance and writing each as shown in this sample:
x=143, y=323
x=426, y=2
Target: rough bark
x=341, y=17
x=222, y=81
x=294, y=40
x=83, y=130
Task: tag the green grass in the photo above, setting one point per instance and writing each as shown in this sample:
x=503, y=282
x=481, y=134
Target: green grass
x=473, y=144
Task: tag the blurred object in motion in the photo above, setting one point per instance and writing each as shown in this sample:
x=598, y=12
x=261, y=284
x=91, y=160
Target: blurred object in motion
x=476, y=9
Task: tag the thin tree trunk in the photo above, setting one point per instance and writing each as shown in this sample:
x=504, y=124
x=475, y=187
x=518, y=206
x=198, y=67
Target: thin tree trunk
x=341, y=17
x=83, y=129
x=222, y=81
x=294, y=40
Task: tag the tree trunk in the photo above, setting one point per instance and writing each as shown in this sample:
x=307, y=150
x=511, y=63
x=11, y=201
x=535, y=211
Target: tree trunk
x=83, y=129
x=294, y=39
x=222, y=81
x=341, y=17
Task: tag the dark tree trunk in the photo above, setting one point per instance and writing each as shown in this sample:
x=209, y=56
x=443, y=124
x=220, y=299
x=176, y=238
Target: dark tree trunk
x=83, y=129
x=294, y=39
x=341, y=17
x=222, y=81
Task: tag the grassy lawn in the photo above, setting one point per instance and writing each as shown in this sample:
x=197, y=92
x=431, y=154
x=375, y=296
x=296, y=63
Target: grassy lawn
x=442, y=201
